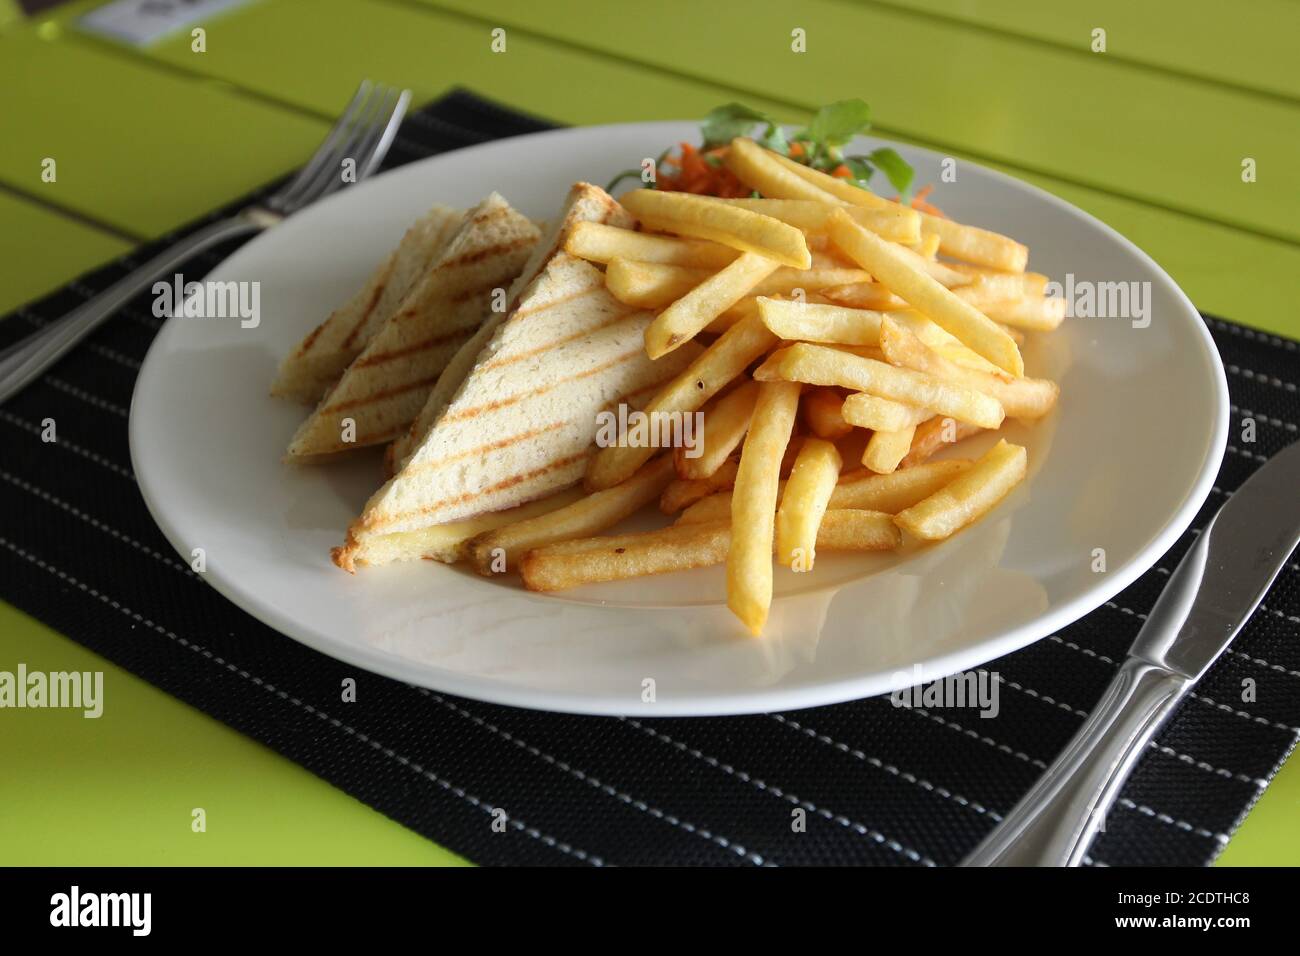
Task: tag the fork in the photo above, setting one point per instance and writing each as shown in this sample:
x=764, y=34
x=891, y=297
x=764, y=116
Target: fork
x=363, y=134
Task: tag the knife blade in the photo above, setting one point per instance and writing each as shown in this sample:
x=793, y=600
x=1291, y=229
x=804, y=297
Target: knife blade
x=1225, y=575
x=1211, y=594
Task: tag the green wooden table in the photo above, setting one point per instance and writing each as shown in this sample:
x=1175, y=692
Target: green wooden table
x=1149, y=136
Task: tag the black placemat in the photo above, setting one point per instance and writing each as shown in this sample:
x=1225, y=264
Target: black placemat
x=877, y=784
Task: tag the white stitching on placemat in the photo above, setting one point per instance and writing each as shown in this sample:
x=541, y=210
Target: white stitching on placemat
x=1202, y=765
x=334, y=721
x=888, y=768
x=1253, y=376
x=1283, y=615
x=1263, y=663
x=1255, y=334
x=588, y=779
x=1254, y=456
x=989, y=741
x=1030, y=692
x=1266, y=419
x=777, y=792
x=1243, y=713
x=85, y=396
x=1166, y=818
x=70, y=446
x=96, y=523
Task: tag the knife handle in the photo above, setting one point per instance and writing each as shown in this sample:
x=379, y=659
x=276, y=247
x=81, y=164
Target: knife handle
x=1055, y=822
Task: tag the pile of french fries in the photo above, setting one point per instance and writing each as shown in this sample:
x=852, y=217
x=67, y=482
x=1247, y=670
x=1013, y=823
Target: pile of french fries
x=849, y=338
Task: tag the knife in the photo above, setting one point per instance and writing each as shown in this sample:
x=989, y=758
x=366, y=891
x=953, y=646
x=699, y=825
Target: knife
x=1211, y=594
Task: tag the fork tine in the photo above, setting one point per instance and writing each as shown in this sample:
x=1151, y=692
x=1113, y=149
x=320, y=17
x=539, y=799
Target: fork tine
x=379, y=148
x=365, y=138
x=371, y=144
x=328, y=145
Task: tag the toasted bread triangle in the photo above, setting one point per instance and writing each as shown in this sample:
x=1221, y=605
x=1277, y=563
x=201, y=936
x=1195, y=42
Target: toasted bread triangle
x=585, y=203
x=385, y=387
x=320, y=358
x=522, y=424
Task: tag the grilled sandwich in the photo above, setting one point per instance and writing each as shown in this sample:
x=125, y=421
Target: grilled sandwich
x=585, y=203
x=316, y=363
x=522, y=424
x=385, y=387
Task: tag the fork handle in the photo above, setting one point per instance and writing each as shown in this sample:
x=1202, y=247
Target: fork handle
x=24, y=361
x=1054, y=824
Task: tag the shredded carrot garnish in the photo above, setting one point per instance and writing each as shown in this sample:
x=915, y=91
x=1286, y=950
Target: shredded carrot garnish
x=919, y=203
x=701, y=173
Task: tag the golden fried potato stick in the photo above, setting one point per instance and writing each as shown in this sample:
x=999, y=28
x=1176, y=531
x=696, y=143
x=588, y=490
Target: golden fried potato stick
x=803, y=503
x=702, y=217
x=598, y=242
x=1024, y=398
x=822, y=413
x=682, y=546
x=501, y=549
x=682, y=493
x=962, y=319
x=753, y=503
x=684, y=318
x=716, y=366
x=820, y=365
x=969, y=497
x=934, y=434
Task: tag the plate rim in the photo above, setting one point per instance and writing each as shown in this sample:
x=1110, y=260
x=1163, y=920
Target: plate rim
x=746, y=700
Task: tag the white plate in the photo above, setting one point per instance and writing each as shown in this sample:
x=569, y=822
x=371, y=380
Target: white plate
x=1122, y=466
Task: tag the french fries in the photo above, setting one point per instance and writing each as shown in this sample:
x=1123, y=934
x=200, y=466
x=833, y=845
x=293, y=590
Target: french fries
x=819, y=365
x=682, y=493
x=886, y=449
x=932, y=435
x=715, y=367
x=1024, y=398
x=841, y=192
x=804, y=502
x=753, y=503
x=960, y=318
x=683, y=320
x=683, y=546
x=808, y=322
x=978, y=246
x=850, y=529
x=500, y=550
x=894, y=492
x=1031, y=313
x=785, y=281
x=970, y=496
x=725, y=424
x=597, y=242
x=881, y=414
x=893, y=222
x=703, y=218
x=757, y=168
x=888, y=494
x=865, y=295
x=650, y=285
x=569, y=564
x=823, y=413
